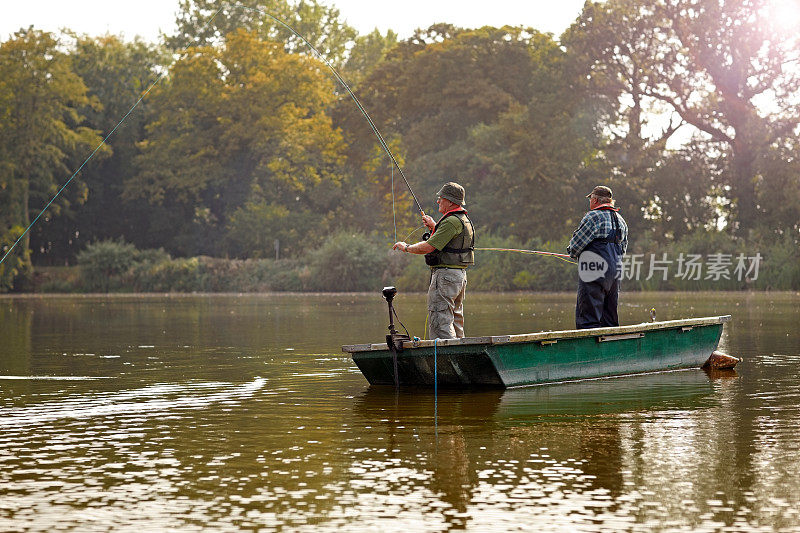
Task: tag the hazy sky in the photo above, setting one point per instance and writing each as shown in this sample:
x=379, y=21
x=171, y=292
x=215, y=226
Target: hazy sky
x=147, y=17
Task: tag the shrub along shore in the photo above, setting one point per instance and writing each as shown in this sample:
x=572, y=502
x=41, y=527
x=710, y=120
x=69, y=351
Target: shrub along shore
x=357, y=262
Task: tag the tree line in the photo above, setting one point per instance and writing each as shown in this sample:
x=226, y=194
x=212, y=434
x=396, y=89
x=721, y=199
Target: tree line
x=687, y=109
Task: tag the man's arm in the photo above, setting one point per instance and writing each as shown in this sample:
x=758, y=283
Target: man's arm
x=420, y=248
x=447, y=230
x=582, y=236
x=624, y=243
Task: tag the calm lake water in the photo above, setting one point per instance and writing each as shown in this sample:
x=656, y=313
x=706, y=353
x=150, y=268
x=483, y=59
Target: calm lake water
x=241, y=412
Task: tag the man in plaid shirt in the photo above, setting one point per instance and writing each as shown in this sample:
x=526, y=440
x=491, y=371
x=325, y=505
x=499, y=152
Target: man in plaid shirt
x=599, y=244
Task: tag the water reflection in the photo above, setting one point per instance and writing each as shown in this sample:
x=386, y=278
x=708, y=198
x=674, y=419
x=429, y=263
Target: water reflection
x=502, y=450
x=237, y=413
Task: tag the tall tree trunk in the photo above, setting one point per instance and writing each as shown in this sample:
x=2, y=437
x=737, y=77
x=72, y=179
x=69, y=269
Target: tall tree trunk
x=743, y=188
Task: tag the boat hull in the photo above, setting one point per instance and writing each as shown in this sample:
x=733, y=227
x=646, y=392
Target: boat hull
x=547, y=357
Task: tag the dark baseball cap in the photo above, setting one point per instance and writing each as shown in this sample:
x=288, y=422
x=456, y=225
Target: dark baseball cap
x=601, y=191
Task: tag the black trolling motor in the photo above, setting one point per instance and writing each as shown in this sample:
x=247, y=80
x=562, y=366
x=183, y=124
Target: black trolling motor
x=394, y=339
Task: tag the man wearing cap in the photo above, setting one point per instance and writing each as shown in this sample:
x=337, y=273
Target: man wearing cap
x=448, y=251
x=599, y=244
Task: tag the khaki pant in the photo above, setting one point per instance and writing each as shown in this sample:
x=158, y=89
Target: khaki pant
x=446, y=303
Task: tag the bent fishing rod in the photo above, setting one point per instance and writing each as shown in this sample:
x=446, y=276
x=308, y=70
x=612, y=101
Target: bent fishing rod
x=163, y=73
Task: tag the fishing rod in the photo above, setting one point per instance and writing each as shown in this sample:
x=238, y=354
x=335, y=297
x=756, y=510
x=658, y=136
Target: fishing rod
x=161, y=76
x=563, y=257
x=523, y=251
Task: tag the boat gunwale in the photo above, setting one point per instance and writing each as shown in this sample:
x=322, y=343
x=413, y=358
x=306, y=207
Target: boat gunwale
x=544, y=335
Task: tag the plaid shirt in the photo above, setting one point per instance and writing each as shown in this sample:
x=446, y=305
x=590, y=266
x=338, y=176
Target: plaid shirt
x=596, y=224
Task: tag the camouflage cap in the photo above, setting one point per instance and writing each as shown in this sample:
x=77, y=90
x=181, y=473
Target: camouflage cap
x=601, y=191
x=454, y=192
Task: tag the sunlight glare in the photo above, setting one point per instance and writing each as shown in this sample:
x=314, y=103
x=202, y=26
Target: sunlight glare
x=786, y=14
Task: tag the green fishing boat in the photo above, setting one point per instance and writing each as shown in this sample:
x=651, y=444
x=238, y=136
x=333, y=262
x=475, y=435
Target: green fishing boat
x=544, y=357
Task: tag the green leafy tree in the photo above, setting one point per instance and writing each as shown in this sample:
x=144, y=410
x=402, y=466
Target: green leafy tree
x=367, y=52
x=493, y=108
x=41, y=137
x=376, y=199
x=528, y=167
x=687, y=193
x=533, y=158
x=17, y=263
x=778, y=186
x=257, y=228
x=116, y=73
x=103, y=260
x=237, y=129
x=203, y=22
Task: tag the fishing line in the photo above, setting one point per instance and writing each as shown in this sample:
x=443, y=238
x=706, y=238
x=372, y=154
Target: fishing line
x=414, y=231
x=564, y=257
x=164, y=73
x=394, y=214
x=435, y=392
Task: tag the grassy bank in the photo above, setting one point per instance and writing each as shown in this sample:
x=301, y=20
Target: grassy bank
x=357, y=262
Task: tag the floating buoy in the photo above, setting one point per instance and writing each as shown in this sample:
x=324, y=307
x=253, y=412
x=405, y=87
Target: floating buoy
x=721, y=361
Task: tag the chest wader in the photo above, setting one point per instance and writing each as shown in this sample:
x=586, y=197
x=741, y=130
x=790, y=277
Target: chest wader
x=597, y=300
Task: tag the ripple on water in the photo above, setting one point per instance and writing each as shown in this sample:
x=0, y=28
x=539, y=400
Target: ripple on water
x=52, y=378
x=155, y=400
